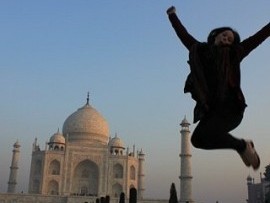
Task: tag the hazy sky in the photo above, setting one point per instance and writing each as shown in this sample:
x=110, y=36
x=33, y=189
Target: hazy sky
x=126, y=54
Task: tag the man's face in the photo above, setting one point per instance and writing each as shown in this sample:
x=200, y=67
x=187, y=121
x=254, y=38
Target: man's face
x=224, y=38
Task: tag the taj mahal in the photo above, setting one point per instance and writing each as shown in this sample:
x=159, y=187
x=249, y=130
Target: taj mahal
x=83, y=162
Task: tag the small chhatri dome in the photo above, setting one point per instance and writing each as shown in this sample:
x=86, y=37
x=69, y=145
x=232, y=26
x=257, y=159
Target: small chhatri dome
x=86, y=125
x=57, y=142
x=116, y=146
x=57, y=138
x=249, y=179
x=16, y=144
x=116, y=142
x=185, y=122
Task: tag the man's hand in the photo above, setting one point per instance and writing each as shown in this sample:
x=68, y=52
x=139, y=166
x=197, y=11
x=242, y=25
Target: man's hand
x=171, y=10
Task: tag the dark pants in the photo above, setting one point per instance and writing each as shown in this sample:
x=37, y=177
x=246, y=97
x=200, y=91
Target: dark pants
x=212, y=132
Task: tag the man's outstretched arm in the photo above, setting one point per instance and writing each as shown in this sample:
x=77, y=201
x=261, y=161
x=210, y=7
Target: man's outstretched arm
x=187, y=39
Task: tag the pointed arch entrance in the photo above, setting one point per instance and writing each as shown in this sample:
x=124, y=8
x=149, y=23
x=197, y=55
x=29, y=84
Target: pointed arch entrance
x=85, y=178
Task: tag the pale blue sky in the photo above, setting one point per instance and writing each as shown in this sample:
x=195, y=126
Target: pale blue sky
x=129, y=58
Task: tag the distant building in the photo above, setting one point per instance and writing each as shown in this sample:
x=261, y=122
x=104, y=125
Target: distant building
x=257, y=191
x=83, y=161
x=14, y=168
x=185, y=159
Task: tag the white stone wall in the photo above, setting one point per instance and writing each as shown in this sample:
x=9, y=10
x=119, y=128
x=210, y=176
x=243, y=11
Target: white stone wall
x=69, y=159
x=28, y=198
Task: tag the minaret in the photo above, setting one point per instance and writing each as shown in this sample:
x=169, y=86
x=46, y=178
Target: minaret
x=185, y=156
x=141, y=175
x=14, y=168
x=250, y=187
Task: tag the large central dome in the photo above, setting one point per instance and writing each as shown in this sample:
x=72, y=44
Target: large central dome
x=86, y=125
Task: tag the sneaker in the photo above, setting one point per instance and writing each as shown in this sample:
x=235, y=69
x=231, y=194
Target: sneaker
x=244, y=159
x=250, y=156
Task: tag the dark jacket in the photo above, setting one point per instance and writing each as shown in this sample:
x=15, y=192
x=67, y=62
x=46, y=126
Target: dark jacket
x=214, y=79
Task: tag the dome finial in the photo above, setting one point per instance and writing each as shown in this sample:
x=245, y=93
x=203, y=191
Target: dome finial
x=87, y=100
